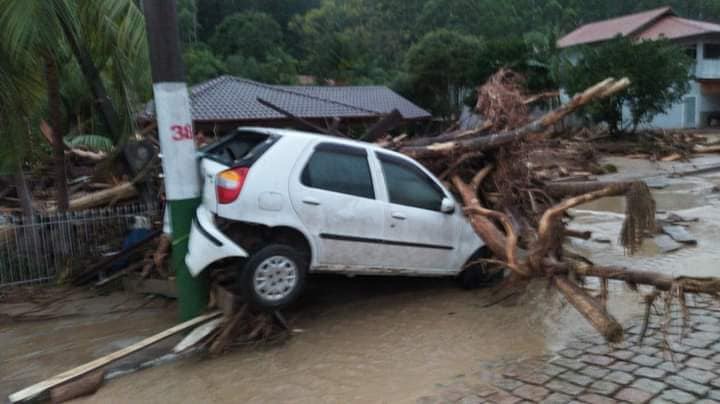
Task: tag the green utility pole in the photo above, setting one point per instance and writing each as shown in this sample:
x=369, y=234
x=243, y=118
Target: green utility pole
x=172, y=111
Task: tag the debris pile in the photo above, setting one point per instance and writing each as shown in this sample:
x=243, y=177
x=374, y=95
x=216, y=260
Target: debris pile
x=511, y=185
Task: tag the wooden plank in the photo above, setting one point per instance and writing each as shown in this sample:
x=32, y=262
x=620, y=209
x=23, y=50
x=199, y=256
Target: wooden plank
x=41, y=387
x=197, y=335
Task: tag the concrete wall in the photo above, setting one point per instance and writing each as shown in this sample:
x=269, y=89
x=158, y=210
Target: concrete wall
x=704, y=104
x=674, y=118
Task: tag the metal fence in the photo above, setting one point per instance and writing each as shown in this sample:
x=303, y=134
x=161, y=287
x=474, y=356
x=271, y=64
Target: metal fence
x=42, y=248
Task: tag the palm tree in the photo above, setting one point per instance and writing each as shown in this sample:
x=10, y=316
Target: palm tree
x=20, y=95
x=45, y=32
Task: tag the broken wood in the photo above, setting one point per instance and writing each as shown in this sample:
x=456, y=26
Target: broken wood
x=590, y=308
x=379, y=128
x=583, y=235
x=158, y=258
x=72, y=374
x=488, y=232
x=299, y=120
x=83, y=386
x=229, y=331
x=703, y=170
x=119, y=274
x=197, y=335
x=480, y=143
x=123, y=191
x=706, y=149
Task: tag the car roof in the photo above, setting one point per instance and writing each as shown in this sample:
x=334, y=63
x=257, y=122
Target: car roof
x=309, y=136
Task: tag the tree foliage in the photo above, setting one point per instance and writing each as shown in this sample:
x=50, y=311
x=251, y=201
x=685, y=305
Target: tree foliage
x=250, y=34
x=659, y=72
x=432, y=51
x=442, y=68
x=201, y=64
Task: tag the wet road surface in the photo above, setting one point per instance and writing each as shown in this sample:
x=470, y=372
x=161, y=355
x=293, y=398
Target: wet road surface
x=388, y=339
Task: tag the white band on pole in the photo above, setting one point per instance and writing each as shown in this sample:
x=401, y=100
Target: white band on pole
x=172, y=111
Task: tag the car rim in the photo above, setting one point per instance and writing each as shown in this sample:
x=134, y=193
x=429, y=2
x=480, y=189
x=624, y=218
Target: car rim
x=275, y=278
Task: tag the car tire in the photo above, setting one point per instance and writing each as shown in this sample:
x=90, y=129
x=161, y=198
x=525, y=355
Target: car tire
x=273, y=277
x=480, y=274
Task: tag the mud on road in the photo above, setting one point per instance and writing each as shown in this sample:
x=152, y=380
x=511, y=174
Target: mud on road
x=392, y=340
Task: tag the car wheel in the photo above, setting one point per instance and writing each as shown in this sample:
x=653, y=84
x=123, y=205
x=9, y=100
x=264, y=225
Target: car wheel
x=273, y=277
x=480, y=274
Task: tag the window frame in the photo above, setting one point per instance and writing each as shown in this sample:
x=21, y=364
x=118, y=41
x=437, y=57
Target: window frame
x=716, y=49
x=340, y=149
x=383, y=157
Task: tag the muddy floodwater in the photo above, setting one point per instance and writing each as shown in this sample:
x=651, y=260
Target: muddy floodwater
x=373, y=340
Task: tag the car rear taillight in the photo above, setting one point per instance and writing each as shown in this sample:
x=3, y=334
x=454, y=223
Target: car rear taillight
x=229, y=184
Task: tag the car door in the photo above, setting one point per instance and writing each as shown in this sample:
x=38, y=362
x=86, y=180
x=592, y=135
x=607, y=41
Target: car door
x=333, y=193
x=418, y=236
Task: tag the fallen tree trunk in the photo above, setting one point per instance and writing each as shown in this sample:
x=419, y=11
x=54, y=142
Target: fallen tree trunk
x=590, y=308
x=600, y=90
x=657, y=280
x=488, y=232
x=706, y=149
x=123, y=191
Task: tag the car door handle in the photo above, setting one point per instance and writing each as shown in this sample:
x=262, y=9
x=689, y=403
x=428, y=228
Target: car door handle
x=398, y=215
x=311, y=201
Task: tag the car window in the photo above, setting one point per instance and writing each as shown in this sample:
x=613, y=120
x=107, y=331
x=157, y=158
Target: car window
x=235, y=147
x=339, y=168
x=408, y=185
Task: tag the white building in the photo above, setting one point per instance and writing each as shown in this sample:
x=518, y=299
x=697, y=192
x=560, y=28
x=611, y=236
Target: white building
x=701, y=104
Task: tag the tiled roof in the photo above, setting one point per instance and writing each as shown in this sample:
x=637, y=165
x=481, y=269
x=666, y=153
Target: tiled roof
x=672, y=27
x=229, y=98
x=608, y=29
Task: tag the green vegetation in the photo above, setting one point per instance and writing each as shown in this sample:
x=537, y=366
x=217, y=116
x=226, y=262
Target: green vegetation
x=432, y=51
x=659, y=71
x=81, y=67
x=70, y=74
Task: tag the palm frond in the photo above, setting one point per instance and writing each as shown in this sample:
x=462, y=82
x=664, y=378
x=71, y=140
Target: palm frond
x=91, y=142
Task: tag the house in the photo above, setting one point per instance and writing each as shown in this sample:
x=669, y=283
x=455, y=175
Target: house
x=699, y=107
x=227, y=102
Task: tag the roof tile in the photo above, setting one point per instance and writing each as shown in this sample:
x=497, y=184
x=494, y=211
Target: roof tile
x=608, y=29
x=229, y=98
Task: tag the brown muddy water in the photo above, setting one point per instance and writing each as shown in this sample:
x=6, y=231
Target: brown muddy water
x=377, y=340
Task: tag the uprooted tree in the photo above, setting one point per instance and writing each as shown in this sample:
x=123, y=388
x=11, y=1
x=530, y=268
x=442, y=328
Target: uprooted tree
x=519, y=214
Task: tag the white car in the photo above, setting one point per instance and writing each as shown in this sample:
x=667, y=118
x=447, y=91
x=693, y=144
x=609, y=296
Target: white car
x=284, y=203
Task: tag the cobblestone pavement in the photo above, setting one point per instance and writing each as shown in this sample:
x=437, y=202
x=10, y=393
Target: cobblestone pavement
x=590, y=371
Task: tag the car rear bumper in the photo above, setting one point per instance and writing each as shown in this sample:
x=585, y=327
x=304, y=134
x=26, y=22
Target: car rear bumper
x=207, y=243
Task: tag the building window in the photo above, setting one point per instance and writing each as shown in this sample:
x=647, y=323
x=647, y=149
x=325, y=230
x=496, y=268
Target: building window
x=712, y=51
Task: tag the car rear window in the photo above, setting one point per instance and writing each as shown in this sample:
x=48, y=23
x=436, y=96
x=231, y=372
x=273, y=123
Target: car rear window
x=240, y=146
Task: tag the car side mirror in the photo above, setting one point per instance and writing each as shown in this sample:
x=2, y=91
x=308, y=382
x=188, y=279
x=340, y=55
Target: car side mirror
x=447, y=206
